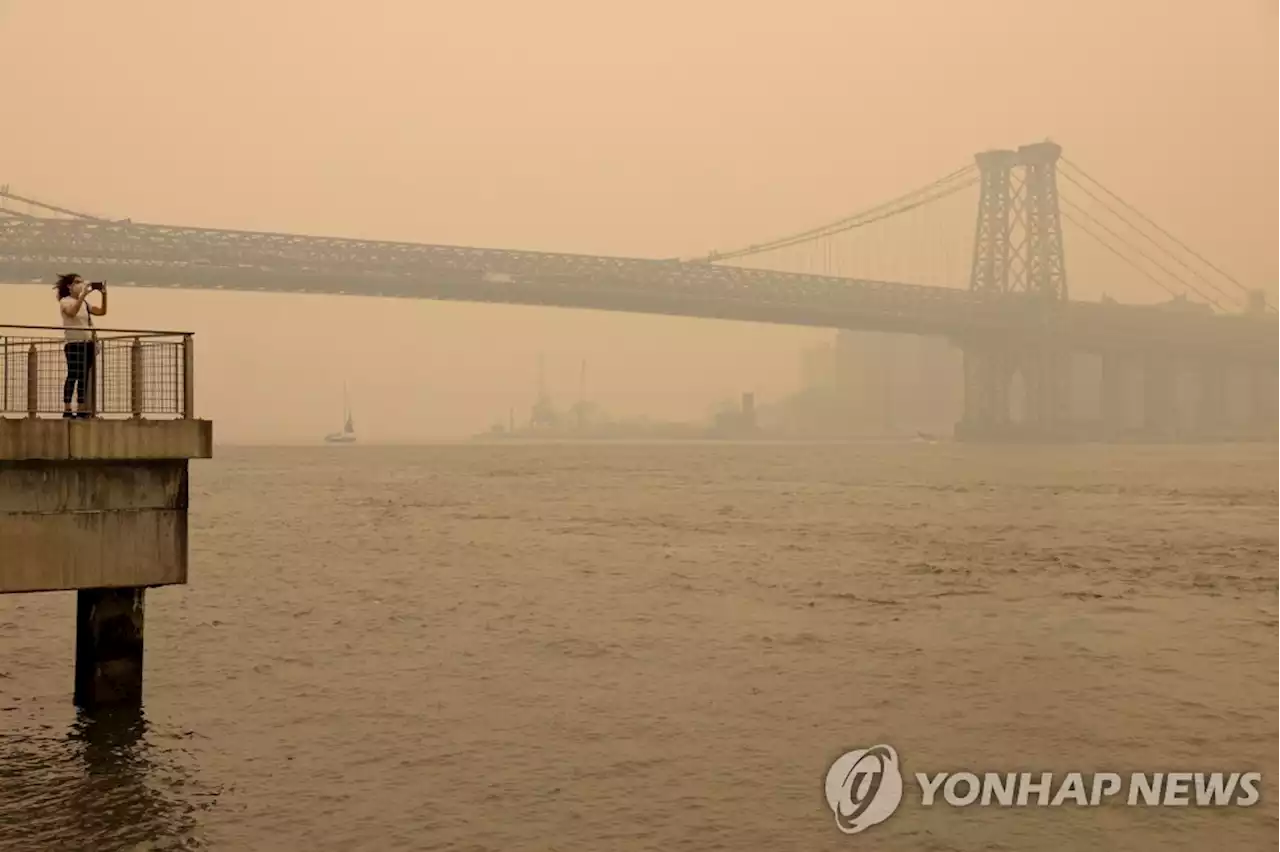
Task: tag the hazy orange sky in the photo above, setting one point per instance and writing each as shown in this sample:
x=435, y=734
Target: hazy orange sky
x=654, y=129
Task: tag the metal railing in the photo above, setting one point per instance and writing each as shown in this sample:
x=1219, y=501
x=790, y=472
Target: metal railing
x=117, y=373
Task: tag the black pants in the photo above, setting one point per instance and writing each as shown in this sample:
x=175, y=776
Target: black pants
x=80, y=357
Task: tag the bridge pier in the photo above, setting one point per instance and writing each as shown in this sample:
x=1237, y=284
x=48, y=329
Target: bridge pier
x=1159, y=408
x=988, y=373
x=1211, y=411
x=1048, y=392
x=1262, y=401
x=1115, y=403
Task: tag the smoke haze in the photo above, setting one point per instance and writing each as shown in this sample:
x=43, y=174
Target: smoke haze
x=661, y=129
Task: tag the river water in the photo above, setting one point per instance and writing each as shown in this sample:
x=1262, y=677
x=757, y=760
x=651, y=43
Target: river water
x=625, y=647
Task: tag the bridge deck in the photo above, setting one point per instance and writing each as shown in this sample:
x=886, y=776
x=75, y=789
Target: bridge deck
x=162, y=255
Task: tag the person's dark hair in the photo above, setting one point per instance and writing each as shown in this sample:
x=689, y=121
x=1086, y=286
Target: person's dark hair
x=64, y=284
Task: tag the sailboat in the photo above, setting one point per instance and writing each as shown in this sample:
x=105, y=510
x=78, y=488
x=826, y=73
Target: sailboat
x=348, y=433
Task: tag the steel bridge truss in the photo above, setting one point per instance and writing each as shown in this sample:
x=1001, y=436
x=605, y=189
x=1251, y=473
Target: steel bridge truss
x=161, y=255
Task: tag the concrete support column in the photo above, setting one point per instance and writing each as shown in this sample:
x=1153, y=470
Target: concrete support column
x=987, y=375
x=1262, y=405
x=1048, y=393
x=109, y=647
x=1159, y=409
x=1115, y=397
x=1211, y=401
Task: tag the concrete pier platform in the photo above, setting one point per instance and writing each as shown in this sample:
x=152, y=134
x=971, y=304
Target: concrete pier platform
x=99, y=507
x=95, y=503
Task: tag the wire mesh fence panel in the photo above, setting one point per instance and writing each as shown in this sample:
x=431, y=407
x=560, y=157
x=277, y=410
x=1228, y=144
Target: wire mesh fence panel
x=112, y=381
x=13, y=373
x=160, y=372
x=112, y=374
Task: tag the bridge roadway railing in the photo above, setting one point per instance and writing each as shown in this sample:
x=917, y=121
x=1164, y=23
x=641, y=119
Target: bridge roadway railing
x=160, y=255
x=130, y=374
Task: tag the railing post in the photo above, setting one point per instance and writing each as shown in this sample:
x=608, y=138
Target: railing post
x=91, y=376
x=4, y=371
x=135, y=378
x=188, y=377
x=33, y=380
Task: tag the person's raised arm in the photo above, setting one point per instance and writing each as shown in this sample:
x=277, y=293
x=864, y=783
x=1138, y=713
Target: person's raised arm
x=100, y=311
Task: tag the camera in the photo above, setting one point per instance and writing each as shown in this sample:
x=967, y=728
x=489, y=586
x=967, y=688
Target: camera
x=97, y=285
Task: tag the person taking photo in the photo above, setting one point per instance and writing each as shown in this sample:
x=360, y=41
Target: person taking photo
x=77, y=320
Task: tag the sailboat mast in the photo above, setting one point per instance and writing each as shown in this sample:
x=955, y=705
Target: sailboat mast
x=348, y=425
x=582, y=396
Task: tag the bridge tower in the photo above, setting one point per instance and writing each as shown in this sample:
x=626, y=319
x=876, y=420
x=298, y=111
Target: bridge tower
x=1018, y=251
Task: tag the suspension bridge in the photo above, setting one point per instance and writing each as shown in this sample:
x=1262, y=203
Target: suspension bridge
x=997, y=288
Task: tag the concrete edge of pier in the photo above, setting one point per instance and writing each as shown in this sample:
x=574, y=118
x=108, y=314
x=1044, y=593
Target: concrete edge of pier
x=36, y=439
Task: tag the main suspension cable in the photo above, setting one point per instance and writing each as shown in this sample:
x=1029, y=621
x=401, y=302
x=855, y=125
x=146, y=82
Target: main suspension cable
x=872, y=214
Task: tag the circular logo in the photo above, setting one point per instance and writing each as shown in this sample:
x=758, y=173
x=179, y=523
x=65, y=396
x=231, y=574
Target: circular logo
x=864, y=787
